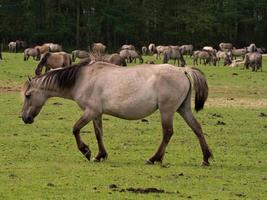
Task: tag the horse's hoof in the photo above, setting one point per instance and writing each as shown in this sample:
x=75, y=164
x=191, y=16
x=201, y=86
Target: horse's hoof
x=149, y=162
x=88, y=155
x=205, y=163
x=96, y=160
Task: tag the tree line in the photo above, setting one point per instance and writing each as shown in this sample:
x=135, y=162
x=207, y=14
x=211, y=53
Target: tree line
x=78, y=23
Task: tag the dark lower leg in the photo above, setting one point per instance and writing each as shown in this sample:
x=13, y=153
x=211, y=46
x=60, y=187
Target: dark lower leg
x=158, y=156
x=84, y=149
x=102, y=154
x=195, y=126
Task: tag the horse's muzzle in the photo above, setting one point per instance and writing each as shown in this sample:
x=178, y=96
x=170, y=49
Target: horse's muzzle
x=27, y=120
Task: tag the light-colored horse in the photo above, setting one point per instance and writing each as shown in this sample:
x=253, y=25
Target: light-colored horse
x=225, y=46
x=152, y=48
x=187, y=49
x=234, y=53
x=54, y=47
x=53, y=61
x=12, y=47
x=251, y=48
x=79, y=54
x=144, y=50
x=127, y=47
x=34, y=52
x=128, y=93
x=160, y=49
x=98, y=49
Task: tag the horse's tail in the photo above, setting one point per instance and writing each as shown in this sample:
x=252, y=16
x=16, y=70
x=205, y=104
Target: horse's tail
x=43, y=61
x=199, y=82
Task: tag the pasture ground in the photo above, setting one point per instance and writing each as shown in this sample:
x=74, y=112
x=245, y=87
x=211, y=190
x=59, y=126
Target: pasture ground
x=41, y=161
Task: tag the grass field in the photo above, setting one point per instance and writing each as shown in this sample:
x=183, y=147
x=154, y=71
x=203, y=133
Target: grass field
x=41, y=161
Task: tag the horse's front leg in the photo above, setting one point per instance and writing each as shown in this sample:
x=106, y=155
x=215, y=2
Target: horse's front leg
x=85, y=119
x=102, y=153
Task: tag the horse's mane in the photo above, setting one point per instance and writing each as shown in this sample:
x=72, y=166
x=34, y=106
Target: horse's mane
x=62, y=78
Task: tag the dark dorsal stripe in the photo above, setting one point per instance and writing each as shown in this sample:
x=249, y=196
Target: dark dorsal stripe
x=63, y=78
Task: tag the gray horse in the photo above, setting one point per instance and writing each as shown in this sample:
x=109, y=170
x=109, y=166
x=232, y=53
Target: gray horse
x=187, y=49
x=34, y=52
x=173, y=53
x=207, y=57
x=253, y=60
x=128, y=93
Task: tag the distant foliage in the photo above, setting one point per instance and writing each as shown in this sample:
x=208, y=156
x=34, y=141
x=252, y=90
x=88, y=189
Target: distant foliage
x=116, y=22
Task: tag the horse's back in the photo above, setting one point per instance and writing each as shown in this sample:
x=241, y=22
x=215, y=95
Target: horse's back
x=132, y=93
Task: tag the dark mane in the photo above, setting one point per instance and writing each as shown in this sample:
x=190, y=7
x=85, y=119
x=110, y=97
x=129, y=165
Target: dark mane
x=62, y=78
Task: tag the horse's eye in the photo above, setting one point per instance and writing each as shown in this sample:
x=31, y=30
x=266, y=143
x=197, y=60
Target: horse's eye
x=27, y=96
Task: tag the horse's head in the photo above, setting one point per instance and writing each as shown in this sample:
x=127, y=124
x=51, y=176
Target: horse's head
x=34, y=100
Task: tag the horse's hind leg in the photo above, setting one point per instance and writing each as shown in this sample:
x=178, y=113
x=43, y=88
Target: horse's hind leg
x=186, y=112
x=102, y=153
x=85, y=119
x=167, y=128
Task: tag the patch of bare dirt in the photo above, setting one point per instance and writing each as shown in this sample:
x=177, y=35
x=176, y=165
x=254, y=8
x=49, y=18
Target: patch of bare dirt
x=9, y=89
x=237, y=102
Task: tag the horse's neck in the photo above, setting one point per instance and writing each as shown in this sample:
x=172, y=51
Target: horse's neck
x=53, y=91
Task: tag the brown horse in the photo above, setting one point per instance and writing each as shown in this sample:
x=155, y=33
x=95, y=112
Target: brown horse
x=128, y=93
x=43, y=48
x=53, y=61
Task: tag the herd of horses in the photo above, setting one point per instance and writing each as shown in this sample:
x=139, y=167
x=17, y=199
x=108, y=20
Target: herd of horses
x=51, y=55
x=100, y=85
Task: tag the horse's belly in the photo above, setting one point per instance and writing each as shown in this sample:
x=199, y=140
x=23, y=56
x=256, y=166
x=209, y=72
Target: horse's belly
x=131, y=108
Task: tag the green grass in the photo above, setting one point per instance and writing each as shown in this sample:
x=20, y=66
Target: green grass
x=41, y=161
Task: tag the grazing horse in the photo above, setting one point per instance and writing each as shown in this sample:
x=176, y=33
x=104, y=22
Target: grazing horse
x=54, y=47
x=253, y=60
x=53, y=61
x=1, y=58
x=187, y=49
x=12, y=47
x=135, y=55
x=160, y=50
x=173, y=53
x=79, y=54
x=115, y=59
x=43, y=48
x=234, y=53
x=208, y=57
x=34, y=52
x=127, y=47
x=127, y=93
